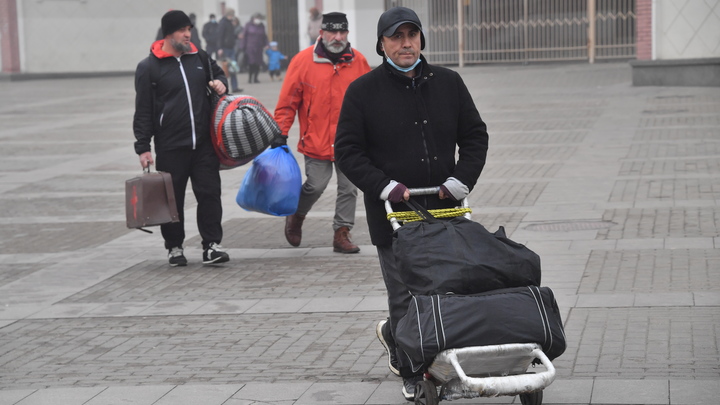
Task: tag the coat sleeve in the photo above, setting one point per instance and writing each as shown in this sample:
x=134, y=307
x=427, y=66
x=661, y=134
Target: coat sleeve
x=472, y=139
x=291, y=96
x=143, y=119
x=351, y=146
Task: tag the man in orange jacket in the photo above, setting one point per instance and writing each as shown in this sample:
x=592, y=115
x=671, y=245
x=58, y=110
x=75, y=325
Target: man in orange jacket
x=314, y=88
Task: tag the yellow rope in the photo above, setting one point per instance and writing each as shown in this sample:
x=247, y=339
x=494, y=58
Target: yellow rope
x=410, y=216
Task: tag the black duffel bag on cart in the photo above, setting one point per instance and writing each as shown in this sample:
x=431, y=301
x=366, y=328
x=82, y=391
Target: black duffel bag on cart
x=435, y=323
x=457, y=255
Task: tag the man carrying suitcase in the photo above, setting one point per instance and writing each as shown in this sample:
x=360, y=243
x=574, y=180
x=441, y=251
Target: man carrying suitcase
x=172, y=108
x=400, y=126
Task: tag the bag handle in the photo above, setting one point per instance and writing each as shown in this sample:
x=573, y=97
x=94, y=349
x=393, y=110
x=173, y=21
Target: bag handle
x=421, y=211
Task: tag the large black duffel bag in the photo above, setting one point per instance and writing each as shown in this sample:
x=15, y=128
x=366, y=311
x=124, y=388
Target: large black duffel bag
x=434, y=323
x=437, y=256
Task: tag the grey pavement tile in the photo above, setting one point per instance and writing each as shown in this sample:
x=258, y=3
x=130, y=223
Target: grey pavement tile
x=337, y=393
x=225, y=307
x=293, y=252
x=689, y=243
x=568, y=392
x=372, y=303
x=694, y=392
x=562, y=237
x=64, y=311
x=605, y=300
x=388, y=392
x=663, y=299
x=237, y=255
x=278, y=305
x=6, y=322
x=65, y=396
x=707, y=299
x=639, y=244
x=565, y=213
x=172, y=308
x=269, y=392
x=332, y=304
x=199, y=394
x=640, y=342
x=587, y=245
x=119, y=309
x=648, y=392
x=9, y=312
x=544, y=248
x=11, y=397
x=136, y=395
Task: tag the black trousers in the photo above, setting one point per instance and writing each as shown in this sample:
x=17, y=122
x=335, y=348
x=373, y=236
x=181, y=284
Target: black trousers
x=398, y=300
x=202, y=168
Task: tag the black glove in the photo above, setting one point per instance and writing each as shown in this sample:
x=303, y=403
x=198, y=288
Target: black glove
x=280, y=140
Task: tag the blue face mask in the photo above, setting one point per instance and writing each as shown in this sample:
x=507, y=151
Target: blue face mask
x=404, y=70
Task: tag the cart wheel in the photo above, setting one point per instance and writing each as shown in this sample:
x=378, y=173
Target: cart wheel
x=533, y=398
x=426, y=393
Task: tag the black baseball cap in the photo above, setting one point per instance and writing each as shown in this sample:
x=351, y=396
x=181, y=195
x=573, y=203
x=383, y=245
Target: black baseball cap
x=392, y=19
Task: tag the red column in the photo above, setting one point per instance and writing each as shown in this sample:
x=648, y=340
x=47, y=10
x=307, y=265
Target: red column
x=643, y=24
x=9, y=36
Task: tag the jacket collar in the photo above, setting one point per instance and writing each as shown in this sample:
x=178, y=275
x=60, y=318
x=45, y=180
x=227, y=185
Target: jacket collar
x=156, y=49
x=423, y=72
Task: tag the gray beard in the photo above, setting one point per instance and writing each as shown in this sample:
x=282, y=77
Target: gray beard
x=180, y=47
x=336, y=47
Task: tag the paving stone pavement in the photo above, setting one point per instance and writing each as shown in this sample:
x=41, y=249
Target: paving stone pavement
x=616, y=187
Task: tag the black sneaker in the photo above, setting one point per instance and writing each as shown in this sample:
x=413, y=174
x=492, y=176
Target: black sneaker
x=215, y=254
x=176, y=257
x=409, y=384
x=384, y=337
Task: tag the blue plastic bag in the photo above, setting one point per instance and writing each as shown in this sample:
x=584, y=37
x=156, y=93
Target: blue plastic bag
x=272, y=185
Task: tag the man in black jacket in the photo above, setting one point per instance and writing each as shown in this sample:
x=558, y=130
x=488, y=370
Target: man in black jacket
x=172, y=109
x=400, y=126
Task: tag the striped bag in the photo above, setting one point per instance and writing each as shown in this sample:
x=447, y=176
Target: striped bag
x=242, y=129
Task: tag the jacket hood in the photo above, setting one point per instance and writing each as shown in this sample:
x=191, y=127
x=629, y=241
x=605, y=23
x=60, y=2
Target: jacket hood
x=156, y=49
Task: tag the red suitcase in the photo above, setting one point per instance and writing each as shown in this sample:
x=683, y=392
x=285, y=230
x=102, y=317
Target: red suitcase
x=150, y=200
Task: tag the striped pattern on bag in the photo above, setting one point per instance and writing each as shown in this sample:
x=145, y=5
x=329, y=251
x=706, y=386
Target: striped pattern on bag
x=242, y=129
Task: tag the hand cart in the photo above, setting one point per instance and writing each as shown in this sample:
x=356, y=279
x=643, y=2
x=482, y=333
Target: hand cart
x=480, y=371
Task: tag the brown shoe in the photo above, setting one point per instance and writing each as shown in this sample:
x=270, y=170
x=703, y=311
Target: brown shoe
x=293, y=228
x=342, y=242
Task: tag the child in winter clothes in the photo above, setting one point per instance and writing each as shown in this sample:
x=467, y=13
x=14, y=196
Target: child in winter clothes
x=274, y=58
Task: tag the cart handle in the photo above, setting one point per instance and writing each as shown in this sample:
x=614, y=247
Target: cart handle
x=420, y=191
x=504, y=385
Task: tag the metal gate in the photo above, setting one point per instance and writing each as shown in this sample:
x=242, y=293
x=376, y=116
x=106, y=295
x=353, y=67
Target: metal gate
x=283, y=26
x=525, y=30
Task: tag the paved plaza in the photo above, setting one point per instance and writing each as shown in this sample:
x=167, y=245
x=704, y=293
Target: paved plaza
x=616, y=187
